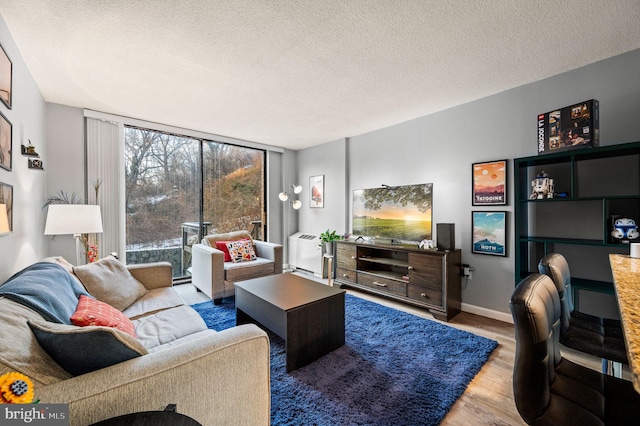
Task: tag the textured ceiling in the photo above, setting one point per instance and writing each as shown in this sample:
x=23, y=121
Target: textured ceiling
x=300, y=73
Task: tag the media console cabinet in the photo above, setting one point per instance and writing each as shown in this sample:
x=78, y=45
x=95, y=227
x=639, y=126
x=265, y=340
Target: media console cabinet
x=426, y=278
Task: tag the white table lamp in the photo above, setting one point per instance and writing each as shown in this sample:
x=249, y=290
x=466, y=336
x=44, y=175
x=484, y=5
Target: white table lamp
x=74, y=219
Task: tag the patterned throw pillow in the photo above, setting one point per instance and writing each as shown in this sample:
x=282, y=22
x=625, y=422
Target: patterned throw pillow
x=94, y=312
x=241, y=251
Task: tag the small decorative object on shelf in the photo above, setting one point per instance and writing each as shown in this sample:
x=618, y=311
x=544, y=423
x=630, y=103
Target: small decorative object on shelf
x=35, y=163
x=29, y=150
x=16, y=388
x=427, y=245
x=625, y=229
x=542, y=187
x=575, y=126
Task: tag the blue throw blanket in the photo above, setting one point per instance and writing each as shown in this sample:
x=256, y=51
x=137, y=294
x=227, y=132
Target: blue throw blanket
x=47, y=288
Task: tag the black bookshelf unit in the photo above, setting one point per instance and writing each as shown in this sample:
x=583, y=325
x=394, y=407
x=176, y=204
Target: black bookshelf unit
x=593, y=186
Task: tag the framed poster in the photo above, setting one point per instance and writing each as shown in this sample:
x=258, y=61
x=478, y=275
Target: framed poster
x=316, y=189
x=6, y=203
x=490, y=183
x=6, y=69
x=489, y=233
x=5, y=142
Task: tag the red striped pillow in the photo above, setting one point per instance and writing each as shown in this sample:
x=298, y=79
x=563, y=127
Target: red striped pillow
x=94, y=312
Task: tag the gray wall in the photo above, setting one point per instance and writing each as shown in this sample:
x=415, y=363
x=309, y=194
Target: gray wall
x=65, y=165
x=27, y=243
x=328, y=160
x=441, y=147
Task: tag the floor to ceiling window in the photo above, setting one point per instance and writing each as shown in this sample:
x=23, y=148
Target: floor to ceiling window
x=180, y=188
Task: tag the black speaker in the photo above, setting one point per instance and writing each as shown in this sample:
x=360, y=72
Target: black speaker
x=446, y=236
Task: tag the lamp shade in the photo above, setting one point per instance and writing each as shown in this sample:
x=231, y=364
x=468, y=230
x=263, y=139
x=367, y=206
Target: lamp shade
x=63, y=219
x=4, y=220
x=283, y=196
x=297, y=189
x=296, y=204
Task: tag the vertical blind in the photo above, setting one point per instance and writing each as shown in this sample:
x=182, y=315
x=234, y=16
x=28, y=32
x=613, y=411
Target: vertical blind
x=105, y=167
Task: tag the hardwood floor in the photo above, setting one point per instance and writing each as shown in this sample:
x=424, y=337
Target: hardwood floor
x=488, y=400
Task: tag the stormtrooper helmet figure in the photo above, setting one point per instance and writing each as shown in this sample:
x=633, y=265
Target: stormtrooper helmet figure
x=625, y=229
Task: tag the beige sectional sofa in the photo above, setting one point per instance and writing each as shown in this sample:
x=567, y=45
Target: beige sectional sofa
x=215, y=277
x=217, y=378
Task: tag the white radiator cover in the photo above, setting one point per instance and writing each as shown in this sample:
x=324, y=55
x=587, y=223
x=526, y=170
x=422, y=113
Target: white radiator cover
x=305, y=252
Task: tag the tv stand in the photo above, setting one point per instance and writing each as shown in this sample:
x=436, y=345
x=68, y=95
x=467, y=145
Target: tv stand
x=426, y=278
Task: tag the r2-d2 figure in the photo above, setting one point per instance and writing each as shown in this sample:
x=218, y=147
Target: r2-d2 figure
x=542, y=187
x=625, y=229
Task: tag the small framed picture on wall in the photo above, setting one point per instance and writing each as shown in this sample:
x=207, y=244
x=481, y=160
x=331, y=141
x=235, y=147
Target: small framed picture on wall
x=316, y=191
x=490, y=183
x=489, y=232
x=6, y=208
x=6, y=75
x=6, y=131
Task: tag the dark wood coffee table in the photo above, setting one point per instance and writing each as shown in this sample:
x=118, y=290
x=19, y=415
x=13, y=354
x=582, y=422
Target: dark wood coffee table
x=309, y=316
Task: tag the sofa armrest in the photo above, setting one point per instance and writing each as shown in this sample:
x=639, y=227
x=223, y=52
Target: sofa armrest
x=207, y=270
x=270, y=251
x=219, y=379
x=153, y=275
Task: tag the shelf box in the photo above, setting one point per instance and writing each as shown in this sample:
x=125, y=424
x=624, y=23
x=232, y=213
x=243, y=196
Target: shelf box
x=575, y=126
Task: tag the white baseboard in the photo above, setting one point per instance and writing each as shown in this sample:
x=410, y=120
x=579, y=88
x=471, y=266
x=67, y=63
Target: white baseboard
x=489, y=313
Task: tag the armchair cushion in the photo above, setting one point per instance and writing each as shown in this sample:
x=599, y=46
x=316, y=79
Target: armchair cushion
x=246, y=270
x=229, y=236
x=109, y=280
x=80, y=350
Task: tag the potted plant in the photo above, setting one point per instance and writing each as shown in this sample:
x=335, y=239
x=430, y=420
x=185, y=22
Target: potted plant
x=327, y=238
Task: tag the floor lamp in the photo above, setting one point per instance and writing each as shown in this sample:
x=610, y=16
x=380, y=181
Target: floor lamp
x=74, y=219
x=296, y=204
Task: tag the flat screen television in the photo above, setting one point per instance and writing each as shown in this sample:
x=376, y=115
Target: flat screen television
x=400, y=213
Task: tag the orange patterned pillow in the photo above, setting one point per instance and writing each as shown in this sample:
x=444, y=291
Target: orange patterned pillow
x=94, y=312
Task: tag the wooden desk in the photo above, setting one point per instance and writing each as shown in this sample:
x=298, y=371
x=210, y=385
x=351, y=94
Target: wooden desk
x=626, y=281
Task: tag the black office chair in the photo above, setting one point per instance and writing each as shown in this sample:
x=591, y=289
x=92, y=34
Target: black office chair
x=601, y=337
x=548, y=389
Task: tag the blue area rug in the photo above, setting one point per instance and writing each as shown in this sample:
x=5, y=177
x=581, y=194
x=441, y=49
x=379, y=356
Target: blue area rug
x=395, y=369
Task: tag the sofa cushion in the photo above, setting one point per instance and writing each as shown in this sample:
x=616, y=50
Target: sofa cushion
x=241, y=251
x=246, y=270
x=168, y=325
x=80, y=350
x=154, y=300
x=94, y=312
x=109, y=280
x=195, y=336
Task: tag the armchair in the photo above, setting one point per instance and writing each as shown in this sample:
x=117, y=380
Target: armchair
x=215, y=277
